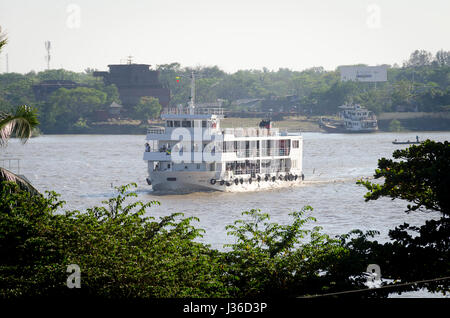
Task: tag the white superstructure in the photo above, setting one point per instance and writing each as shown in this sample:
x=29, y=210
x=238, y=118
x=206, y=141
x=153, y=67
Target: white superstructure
x=352, y=119
x=193, y=153
x=357, y=118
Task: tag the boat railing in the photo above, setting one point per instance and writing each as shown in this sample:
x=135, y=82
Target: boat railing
x=259, y=171
x=294, y=131
x=157, y=131
x=8, y=163
x=251, y=132
x=261, y=152
x=195, y=111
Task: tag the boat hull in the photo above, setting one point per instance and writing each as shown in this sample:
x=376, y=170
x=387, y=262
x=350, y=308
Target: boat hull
x=406, y=142
x=186, y=182
x=339, y=130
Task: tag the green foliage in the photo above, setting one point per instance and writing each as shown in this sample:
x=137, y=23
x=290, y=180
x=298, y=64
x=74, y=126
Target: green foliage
x=31, y=261
x=412, y=254
x=124, y=253
x=395, y=125
x=121, y=252
x=419, y=174
x=65, y=106
x=423, y=84
x=318, y=91
x=148, y=108
x=19, y=123
x=81, y=123
x=269, y=259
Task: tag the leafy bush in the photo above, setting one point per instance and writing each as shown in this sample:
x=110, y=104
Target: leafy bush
x=269, y=259
x=121, y=253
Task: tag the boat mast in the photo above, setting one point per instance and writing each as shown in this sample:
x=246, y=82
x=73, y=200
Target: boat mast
x=192, y=97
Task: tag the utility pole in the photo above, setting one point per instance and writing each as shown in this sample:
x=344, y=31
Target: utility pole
x=48, y=57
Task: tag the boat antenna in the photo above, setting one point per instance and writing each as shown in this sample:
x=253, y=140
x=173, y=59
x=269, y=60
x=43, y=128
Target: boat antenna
x=192, y=97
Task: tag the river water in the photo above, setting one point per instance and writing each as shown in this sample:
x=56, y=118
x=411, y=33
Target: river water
x=85, y=168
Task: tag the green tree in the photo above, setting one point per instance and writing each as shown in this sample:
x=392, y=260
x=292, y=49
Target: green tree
x=395, y=125
x=273, y=260
x=66, y=106
x=419, y=58
x=121, y=252
x=19, y=123
x=420, y=175
x=442, y=58
x=148, y=108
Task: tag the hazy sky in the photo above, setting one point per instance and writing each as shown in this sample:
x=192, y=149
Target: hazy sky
x=233, y=34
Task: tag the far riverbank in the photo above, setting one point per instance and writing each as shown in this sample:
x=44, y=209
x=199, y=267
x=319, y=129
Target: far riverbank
x=403, y=122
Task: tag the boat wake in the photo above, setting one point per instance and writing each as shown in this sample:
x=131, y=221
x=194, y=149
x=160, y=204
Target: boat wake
x=337, y=180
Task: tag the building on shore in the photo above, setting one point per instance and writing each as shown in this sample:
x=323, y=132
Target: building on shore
x=134, y=81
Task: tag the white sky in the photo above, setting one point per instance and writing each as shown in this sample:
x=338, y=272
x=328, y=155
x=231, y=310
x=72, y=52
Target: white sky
x=232, y=34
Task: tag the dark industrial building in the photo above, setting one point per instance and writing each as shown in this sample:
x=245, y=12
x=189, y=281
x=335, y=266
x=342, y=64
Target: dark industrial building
x=134, y=81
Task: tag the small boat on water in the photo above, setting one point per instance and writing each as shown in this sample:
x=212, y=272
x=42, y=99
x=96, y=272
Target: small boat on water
x=408, y=142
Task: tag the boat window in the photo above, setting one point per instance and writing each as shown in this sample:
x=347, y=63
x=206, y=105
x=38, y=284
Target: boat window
x=169, y=123
x=204, y=123
x=176, y=123
x=186, y=123
x=295, y=143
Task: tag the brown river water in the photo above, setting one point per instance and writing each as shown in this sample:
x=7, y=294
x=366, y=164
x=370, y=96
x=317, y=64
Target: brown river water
x=85, y=168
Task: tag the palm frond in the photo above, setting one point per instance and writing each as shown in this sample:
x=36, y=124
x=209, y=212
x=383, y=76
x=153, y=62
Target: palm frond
x=3, y=39
x=6, y=175
x=20, y=123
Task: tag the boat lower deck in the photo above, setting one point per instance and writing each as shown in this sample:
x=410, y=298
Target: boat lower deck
x=208, y=181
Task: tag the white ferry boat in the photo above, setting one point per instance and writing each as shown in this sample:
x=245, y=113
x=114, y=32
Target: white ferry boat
x=193, y=153
x=352, y=119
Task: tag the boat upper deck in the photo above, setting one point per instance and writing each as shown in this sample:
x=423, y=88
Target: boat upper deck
x=165, y=133
x=205, y=122
x=193, y=112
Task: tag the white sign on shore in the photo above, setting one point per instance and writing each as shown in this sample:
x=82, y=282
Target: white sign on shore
x=364, y=73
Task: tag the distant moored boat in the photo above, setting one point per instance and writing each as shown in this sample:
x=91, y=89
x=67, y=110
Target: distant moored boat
x=352, y=119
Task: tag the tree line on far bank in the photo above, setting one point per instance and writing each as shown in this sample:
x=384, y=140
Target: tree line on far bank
x=422, y=83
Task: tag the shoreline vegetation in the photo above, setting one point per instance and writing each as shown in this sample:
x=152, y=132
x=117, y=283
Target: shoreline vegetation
x=407, y=122
x=80, y=102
